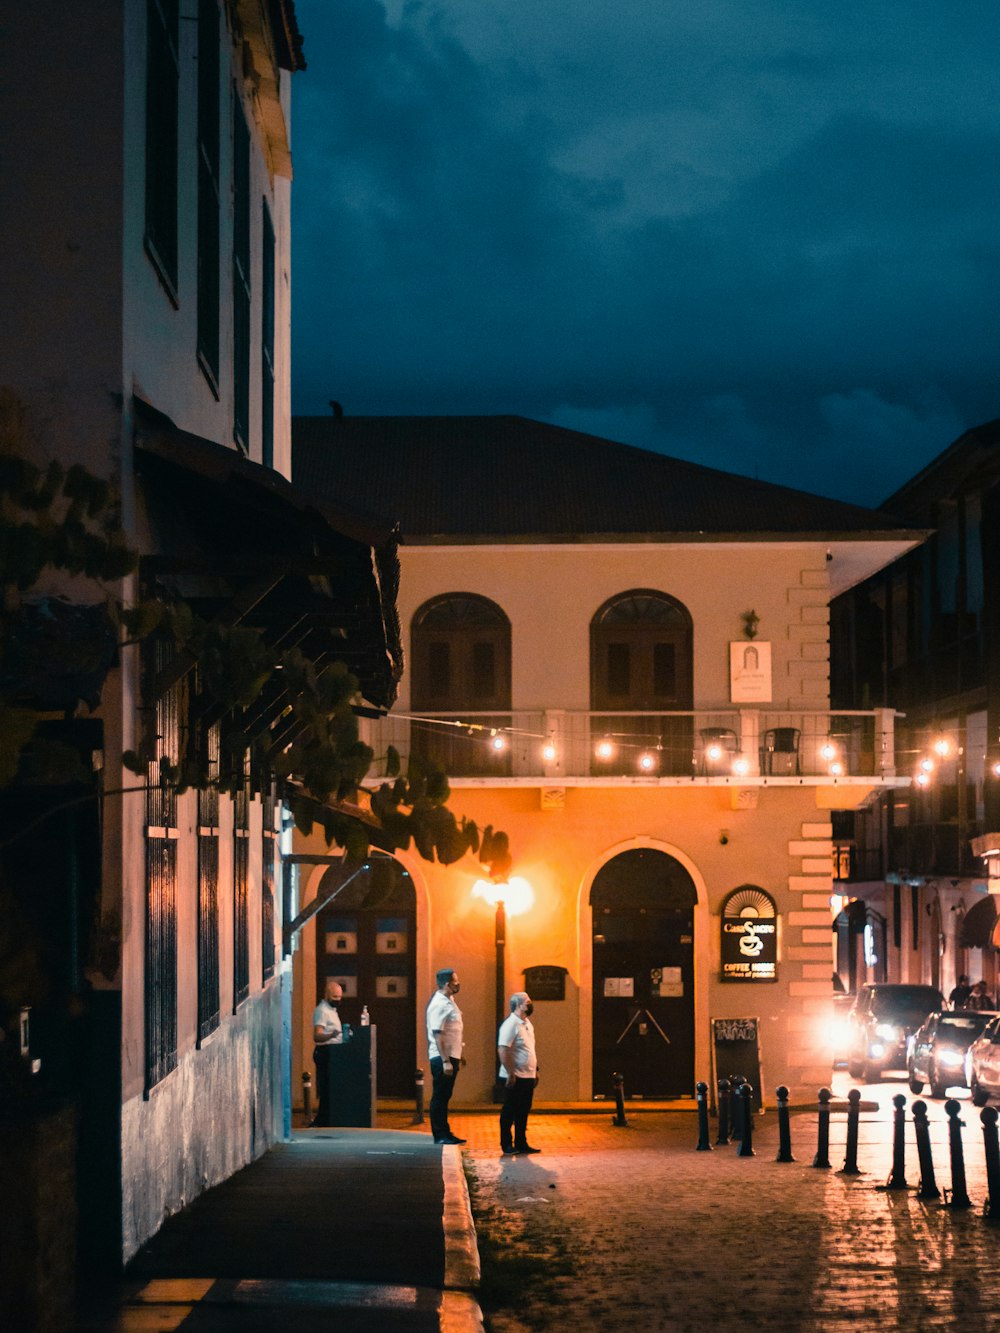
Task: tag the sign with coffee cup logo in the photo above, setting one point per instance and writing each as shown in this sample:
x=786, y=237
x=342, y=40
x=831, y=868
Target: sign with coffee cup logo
x=749, y=944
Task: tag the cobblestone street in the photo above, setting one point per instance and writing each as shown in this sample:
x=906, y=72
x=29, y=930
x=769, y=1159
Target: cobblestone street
x=617, y=1229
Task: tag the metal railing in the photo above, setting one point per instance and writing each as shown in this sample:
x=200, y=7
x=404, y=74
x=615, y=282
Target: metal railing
x=726, y=744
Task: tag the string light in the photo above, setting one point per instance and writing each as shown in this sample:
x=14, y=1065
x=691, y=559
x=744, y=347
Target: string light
x=942, y=746
x=927, y=765
x=605, y=749
x=922, y=779
x=498, y=741
x=836, y=769
x=647, y=761
x=741, y=766
x=549, y=752
x=713, y=752
x=996, y=770
x=828, y=751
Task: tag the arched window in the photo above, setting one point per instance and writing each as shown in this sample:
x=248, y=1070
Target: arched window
x=460, y=653
x=641, y=662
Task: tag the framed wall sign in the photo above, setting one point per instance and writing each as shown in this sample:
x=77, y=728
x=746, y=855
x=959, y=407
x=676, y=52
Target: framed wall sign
x=749, y=943
x=750, y=672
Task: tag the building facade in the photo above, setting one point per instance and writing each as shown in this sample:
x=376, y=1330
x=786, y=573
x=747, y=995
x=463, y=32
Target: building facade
x=622, y=661
x=924, y=632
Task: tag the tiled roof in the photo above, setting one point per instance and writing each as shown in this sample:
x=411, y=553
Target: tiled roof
x=509, y=478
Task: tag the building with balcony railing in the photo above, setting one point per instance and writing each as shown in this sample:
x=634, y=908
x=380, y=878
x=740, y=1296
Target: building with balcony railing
x=621, y=660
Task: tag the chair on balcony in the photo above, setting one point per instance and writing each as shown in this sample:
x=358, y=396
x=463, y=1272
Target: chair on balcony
x=719, y=747
x=779, y=752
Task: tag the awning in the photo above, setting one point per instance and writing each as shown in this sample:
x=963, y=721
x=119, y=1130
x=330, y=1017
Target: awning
x=979, y=924
x=237, y=540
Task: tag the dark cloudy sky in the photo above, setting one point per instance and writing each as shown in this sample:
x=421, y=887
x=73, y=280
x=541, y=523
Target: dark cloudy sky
x=760, y=234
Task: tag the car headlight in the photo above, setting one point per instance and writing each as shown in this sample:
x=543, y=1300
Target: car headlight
x=950, y=1059
x=887, y=1031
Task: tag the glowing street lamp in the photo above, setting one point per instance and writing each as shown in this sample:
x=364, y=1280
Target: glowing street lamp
x=514, y=896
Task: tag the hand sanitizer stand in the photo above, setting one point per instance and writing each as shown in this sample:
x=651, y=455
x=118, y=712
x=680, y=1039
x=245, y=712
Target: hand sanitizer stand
x=352, y=1072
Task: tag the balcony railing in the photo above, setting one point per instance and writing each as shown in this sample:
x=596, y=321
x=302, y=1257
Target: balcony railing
x=556, y=744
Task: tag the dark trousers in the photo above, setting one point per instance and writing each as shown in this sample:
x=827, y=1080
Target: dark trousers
x=517, y=1099
x=443, y=1085
x=321, y=1055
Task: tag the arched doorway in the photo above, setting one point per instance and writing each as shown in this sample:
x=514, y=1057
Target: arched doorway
x=641, y=664
x=366, y=939
x=643, y=905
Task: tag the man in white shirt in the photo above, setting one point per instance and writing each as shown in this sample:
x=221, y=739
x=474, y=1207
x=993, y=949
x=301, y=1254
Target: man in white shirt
x=444, y=1051
x=519, y=1066
x=327, y=1031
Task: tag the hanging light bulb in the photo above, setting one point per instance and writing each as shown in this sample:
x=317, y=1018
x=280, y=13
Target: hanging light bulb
x=741, y=766
x=922, y=779
x=828, y=751
x=942, y=746
x=927, y=765
x=713, y=752
x=836, y=769
x=549, y=752
x=605, y=749
x=647, y=761
x=996, y=770
x=498, y=742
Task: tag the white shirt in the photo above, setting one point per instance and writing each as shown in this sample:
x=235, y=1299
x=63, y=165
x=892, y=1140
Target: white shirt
x=326, y=1017
x=444, y=1016
x=519, y=1035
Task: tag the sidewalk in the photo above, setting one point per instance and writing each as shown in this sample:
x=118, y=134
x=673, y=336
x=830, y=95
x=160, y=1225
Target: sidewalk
x=355, y=1229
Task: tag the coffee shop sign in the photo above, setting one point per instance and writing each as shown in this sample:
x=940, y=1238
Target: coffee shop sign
x=749, y=936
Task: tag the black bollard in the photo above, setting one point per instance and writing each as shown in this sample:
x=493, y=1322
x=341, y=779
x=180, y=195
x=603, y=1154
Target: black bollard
x=618, y=1083
x=853, y=1118
x=959, y=1194
x=822, y=1158
x=307, y=1095
x=991, y=1208
x=724, y=1134
x=928, y=1185
x=701, y=1091
x=418, y=1099
x=736, y=1105
x=784, y=1128
x=897, y=1178
x=746, y=1097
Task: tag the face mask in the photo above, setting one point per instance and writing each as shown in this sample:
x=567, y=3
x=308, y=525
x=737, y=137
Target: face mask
x=529, y=1009
x=455, y=988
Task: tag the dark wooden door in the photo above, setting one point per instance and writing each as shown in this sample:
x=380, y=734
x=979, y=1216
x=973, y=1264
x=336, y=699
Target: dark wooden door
x=366, y=940
x=641, y=664
x=643, y=967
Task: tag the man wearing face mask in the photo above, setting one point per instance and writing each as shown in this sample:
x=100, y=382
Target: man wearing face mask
x=519, y=1066
x=444, y=1051
x=327, y=1031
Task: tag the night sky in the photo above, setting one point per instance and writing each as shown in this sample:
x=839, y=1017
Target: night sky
x=764, y=236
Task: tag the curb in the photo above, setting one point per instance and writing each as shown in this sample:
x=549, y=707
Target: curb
x=459, y=1311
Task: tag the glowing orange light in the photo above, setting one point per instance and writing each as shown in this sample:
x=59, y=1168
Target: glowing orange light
x=498, y=742
x=647, y=762
x=605, y=749
x=836, y=769
x=741, y=766
x=713, y=752
x=942, y=746
x=927, y=765
x=922, y=779
x=996, y=770
x=828, y=750
x=549, y=752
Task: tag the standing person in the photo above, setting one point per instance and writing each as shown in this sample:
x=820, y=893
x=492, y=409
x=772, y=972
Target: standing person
x=327, y=1031
x=960, y=993
x=519, y=1066
x=444, y=1051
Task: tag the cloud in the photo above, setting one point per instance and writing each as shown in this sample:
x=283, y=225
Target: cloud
x=765, y=241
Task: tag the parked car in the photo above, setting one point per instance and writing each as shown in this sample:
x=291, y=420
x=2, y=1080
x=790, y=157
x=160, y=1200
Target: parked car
x=883, y=1018
x=937, y=1050
x=982, y=1063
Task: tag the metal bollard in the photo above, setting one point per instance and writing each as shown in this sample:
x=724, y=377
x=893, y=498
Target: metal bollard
x=736, y=1105
x=897, y=1178
x=991, y=1208
x=418, y=1107
x=746, y=1097
x=701, y=1091
x=928, y=1185
x=959, y=1194
x=724, y=1133
x=618, y=1083
x=307, y=1089
x=822, y=1158
x=784, y=1128
x=850, y=1167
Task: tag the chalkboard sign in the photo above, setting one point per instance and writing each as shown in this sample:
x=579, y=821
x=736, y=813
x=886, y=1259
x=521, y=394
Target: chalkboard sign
x=545, y=982
x=736, y=1050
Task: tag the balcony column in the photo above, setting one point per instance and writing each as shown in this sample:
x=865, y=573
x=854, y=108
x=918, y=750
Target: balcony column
x=750, y=739
x=885, y=742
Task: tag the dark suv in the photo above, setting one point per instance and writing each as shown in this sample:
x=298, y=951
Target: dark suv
x=883, y=1019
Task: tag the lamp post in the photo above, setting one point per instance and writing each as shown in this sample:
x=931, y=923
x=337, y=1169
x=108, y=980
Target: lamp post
x=500, y=943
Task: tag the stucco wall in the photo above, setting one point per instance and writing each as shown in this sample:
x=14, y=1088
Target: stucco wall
x=219, y=1109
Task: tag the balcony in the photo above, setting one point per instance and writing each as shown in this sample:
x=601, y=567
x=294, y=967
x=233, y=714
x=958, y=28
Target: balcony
x=738, y=746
